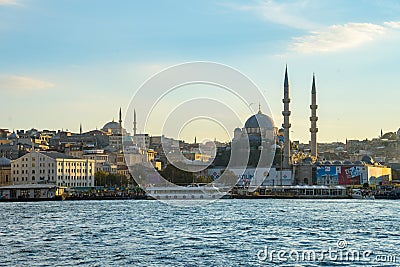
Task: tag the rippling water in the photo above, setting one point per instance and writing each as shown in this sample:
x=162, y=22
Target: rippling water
x=225, y=233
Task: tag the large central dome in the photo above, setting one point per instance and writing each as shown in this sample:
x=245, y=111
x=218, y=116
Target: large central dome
x=259, y=120
x=113, y=125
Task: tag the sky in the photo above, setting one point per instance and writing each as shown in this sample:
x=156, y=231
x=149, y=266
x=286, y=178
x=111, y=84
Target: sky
x=66, y=63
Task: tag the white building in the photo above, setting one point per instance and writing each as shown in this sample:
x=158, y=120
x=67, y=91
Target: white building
x=98, y=156
x=52, y=168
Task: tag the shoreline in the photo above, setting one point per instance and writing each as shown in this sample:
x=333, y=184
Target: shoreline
x=150, y=198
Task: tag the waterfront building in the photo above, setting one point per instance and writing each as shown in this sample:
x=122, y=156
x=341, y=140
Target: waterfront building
x=345, y=173
x=31, y=191
x=39, y=167
x=5, y=171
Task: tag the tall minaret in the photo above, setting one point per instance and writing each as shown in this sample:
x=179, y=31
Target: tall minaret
x=313, y=119
x=120, y=121
x=134, y=123
x=286, y=125
x=80, y=129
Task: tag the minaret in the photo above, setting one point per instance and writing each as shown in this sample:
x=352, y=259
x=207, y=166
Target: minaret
x=120, y=121
x=134, y=123
x=286, y=125
x=313, y=119
x=80, y=129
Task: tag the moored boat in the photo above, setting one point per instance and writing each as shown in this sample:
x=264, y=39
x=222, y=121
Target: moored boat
x=193, y=191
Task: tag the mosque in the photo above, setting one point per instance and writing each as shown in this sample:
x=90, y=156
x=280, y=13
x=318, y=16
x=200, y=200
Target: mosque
x=115, y=128
x=260, y=134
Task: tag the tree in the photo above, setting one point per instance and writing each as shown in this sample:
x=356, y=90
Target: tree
x=100, y=178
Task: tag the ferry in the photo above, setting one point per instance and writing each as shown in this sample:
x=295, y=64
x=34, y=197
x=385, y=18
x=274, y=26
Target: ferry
x=360, y=194
x=190, y=192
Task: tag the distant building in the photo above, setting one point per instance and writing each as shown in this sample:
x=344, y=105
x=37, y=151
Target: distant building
x=99, y=158
x=344, y=173
x=52, y=168
x=5, y=171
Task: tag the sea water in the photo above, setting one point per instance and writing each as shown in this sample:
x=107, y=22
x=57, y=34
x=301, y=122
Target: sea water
x=268, y=232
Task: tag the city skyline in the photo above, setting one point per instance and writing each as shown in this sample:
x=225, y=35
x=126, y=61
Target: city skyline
x=66, y=63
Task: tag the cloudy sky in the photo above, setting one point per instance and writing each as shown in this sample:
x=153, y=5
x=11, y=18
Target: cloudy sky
x=63, y=63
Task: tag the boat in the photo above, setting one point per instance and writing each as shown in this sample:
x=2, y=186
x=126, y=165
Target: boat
x=362, y=194
x=190, y=192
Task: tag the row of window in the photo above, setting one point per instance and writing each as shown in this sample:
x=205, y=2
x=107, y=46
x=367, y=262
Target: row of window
x=33, y=178
x=33, y=171
x=16, y=179
x=75, y=184
x=79, y=164
x=75, y=170
x=74, y=177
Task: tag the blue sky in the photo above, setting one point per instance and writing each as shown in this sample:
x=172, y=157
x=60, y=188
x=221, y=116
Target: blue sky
x=69, y=62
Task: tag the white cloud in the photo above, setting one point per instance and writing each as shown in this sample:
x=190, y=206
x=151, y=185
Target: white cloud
x=22, y=83
x=9, y=3
x=393, y=24
x=338, y=37
x=288, y=14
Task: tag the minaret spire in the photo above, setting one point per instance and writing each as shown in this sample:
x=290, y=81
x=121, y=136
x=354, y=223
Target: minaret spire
x=313, y=119
x=134, y=123
x=286, y=124
x=80, y=129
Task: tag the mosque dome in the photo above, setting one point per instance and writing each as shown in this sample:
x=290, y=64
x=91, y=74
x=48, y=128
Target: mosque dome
x=111, y=125
x=4, y=161
x=259, y=120
x=13, y=135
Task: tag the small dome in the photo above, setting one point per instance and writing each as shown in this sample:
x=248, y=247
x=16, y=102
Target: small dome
x=259, y=120
x=4, y=161
x=359, y=162
x=317, y=163
x=347, y=162
x=13, y=135
x=327, y=162
x=337, y=162
x=368, y=159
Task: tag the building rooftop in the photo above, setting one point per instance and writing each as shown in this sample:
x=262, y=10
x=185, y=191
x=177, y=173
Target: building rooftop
x=57, y=155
